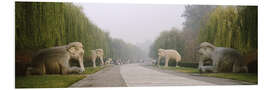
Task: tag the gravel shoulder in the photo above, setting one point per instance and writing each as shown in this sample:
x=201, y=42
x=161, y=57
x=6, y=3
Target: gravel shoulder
x=108, y=77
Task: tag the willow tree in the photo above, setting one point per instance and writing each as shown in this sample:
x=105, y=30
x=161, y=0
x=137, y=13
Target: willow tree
x=46, y=24
x=232, y=26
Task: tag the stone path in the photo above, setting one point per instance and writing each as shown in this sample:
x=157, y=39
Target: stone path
x=136, y=75
x=108, y=77
x=133, y=75
x=217, y=81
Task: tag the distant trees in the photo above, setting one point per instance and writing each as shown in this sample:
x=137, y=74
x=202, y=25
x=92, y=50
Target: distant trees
x=126, y=51
x=195, y=17
x=46, y=24
x=186, y=40
x=226, y=26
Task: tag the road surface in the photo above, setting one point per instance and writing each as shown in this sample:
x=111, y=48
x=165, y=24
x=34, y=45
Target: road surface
x=134, y=75
x=107, y=77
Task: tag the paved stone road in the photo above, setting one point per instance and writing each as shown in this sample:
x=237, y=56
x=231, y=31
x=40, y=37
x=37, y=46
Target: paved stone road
x=133, y=75
x=136, y=75
x=217, y=81
x=108, y=77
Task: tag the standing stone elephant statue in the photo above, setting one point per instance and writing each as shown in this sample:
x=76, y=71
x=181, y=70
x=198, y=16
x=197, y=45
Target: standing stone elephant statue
x=168, y=54
x=98, y=53
x=109, y=60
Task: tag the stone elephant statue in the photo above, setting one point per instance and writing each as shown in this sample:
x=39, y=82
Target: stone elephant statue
x=222, y=59
x=55, y=60
x=168, y=54
x=109, y=60
x=98, y=53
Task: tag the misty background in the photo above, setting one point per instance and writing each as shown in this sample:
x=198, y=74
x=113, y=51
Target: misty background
x=138, y=24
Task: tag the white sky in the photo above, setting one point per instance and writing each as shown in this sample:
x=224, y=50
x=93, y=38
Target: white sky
x=134, y=23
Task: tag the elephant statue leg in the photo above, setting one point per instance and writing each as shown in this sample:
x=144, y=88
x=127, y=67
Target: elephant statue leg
x=101, y=59
x=215, y=65
x=167, y=61
x=176, y=65
x=64, y=69
x=200, y=64
x=69, y=70
x=94, y=62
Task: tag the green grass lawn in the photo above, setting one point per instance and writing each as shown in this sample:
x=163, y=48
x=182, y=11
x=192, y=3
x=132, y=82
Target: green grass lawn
x=52, y=81
x=248, y=77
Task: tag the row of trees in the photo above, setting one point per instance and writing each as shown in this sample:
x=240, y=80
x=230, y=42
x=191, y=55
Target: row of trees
x=234, y=27
x=172, y=39
x=226, y=26
x=185, y=40
x=48, y=24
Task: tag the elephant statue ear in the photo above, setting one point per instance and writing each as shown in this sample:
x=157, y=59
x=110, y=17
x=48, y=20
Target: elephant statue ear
x=71, y=49
x=209, y=45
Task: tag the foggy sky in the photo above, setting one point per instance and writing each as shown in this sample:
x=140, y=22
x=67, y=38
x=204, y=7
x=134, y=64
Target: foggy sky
x=134, y=23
